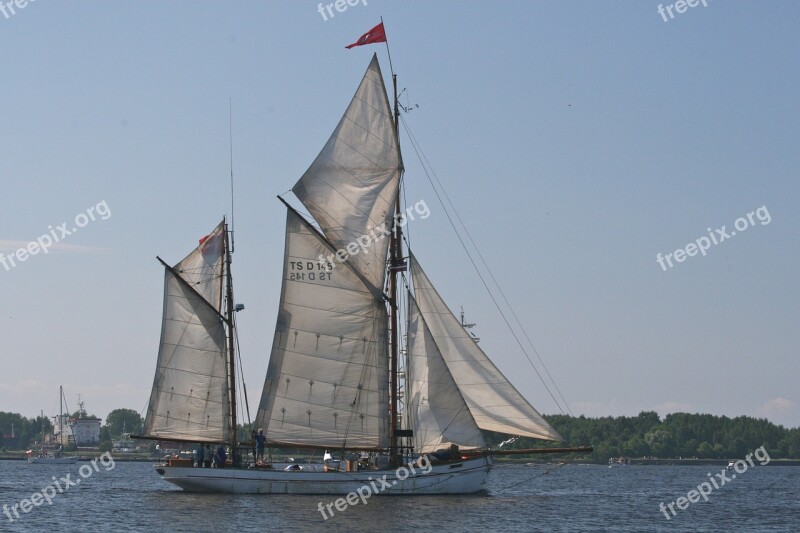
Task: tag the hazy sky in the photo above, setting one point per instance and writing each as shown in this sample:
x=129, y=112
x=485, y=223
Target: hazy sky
x=578, y=140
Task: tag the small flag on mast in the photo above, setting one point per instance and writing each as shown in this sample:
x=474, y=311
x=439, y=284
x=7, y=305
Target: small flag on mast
x=375, y=35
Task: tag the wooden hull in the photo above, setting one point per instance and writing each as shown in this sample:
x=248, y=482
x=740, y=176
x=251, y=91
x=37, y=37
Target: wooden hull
x=464, y=477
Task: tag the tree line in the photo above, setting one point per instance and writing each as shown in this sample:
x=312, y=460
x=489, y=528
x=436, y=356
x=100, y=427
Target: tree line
x=678, y=435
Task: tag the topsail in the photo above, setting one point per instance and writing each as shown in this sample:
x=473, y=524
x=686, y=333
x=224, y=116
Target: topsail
x=351, y=187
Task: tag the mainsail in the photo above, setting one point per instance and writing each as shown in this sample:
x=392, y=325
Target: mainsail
x=326, y=383
x=442, y=353
x=351, y=187
x=189, y=400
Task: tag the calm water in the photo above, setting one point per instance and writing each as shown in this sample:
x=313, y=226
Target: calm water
x=572, y=498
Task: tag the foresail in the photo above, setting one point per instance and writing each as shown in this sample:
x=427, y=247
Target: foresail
x=189, y=400
x=436, y=409
x=327, y=381
x=351, y=186
x=493, y=401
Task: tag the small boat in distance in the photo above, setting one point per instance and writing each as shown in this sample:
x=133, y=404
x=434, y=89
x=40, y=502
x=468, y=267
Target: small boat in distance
x=53, y=456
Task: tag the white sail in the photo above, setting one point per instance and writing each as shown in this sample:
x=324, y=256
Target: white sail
x=202, y=269
x=327, y=381
x=436, y=410
x=351, y=187
x=189, y=400
x=492, y=400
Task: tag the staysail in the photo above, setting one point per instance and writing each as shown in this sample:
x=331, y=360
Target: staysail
x=436, y=410
x=326, y=383
x=493, y=402
x=189, y=400
x=351, y=187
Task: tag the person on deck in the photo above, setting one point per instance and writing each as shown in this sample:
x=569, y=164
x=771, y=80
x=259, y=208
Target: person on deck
x=220, y=457
x=209, y=456
x=200, y=457
x=261, y=442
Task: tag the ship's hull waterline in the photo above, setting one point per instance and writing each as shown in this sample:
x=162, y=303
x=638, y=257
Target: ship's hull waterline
x=468, y=476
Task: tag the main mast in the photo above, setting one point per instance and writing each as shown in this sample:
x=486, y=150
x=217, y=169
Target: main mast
x=231, y=349
x=396, y=266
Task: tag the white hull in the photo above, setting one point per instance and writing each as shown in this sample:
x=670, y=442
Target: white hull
x=450, y=478
x=52, y=460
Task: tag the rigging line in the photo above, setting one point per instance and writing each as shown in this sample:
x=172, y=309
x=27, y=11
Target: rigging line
x=230, y=138
x=528, y=480
x=64, y=397
x=494, y=280
x=144, y=409
x=370, y=356
x=491, y=274
x=491, y=295
x=241, y=375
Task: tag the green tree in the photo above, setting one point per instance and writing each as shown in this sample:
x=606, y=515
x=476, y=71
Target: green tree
x=705, y=450
x=660, y=442
x=121, y=421
x=636, y=447
x=678, y=435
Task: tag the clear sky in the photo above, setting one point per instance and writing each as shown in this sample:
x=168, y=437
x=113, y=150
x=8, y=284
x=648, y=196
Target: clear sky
x=577, y=139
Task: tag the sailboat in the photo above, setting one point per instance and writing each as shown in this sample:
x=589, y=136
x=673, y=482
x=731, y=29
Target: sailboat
x=334, y=377
x=53, y=456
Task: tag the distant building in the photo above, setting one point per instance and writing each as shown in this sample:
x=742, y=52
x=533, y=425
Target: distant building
x=78, y=431
x=85, y=431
